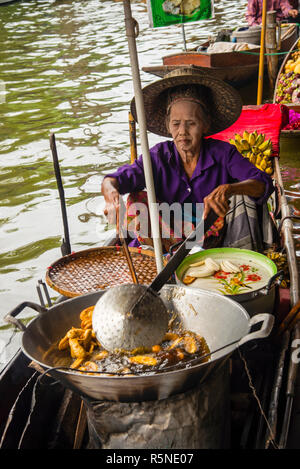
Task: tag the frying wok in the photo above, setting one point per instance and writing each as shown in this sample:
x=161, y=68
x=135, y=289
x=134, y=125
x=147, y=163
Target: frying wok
x=218, y=319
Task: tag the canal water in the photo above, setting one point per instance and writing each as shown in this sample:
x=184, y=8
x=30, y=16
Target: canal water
x=64, y=68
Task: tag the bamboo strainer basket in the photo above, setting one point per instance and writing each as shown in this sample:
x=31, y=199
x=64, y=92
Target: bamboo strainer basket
x=99, y=268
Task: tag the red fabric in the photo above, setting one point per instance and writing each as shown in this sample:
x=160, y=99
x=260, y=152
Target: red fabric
x=266, y=119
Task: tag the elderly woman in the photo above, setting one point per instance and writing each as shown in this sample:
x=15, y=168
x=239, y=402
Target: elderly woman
x=190, y=169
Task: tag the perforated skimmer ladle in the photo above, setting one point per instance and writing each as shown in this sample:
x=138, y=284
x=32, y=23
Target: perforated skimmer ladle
x=130, y=316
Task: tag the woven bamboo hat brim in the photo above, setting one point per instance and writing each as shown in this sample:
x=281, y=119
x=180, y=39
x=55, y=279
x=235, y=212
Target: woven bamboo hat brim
x=224, y=102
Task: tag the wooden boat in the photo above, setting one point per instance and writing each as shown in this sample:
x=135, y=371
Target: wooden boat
x=44, y=416
x=289, y=139
x=236, y=68
x=36, y=415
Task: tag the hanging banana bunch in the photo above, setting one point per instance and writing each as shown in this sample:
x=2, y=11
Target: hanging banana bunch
x=256, y=149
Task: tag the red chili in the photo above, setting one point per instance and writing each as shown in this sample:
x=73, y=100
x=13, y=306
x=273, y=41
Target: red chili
x=245, y=267
x=221, y=274
x=253, y=278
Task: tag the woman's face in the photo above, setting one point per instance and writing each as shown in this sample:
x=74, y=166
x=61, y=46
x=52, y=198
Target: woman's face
x=186, y=126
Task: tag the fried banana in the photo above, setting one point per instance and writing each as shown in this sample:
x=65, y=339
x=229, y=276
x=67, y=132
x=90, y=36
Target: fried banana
x=77, y=351
x=143, y=360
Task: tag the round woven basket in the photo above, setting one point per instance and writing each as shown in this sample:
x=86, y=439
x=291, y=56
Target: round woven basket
x=99, y=268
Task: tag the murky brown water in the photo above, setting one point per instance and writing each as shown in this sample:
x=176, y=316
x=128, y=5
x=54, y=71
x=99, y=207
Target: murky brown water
x=65, y=68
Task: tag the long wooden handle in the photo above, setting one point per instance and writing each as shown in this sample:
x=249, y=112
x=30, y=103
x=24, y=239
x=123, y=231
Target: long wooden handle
x=128, y=256
x=124, y=244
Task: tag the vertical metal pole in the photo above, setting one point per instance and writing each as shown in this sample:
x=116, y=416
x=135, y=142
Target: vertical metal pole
x=262, y=54
x=271, y=48
x=131, y=34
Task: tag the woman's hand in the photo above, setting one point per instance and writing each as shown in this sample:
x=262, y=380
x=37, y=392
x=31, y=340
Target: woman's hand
x=293, y=13
x=112, y=200
x=217, y=201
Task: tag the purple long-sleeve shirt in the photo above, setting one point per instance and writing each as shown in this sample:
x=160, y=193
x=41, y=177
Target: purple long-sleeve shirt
x=254, y=10
x=219, y=163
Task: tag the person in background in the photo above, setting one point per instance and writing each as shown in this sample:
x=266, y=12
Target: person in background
x=286, y=10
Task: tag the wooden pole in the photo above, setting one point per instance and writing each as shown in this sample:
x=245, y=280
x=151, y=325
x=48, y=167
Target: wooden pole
x=131, y=33
x=132, y=136
x=262, y=54
x=271, y=48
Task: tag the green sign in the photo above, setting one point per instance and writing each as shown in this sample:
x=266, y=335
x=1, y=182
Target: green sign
x=167, y=12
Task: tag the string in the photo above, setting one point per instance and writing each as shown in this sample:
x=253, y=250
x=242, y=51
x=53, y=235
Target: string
x=272, y=437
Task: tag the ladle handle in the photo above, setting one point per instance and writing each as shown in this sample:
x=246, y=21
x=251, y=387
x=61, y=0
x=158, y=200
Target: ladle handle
x=182, y=252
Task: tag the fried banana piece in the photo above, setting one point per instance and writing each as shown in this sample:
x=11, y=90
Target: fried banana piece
x=64, y=343
x=170, y=336
x=143, y=360
x=156, y=348
x=71, y=334
x=87, y=313
x=86, y=324
x=190, y=344
x=101, y=355
x=180, y=354
x=86, y=338
x=77, y=351
x=74, y=333
x=77, y=363
x=188, y=280
x=90, y=366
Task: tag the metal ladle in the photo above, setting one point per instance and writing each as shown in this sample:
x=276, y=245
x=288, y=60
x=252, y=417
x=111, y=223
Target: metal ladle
x=130, y=316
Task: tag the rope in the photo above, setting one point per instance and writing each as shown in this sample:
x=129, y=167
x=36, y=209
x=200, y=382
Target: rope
x=266, y=53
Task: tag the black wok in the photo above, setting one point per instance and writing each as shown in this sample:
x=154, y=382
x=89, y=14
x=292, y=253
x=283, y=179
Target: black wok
x=218, y=319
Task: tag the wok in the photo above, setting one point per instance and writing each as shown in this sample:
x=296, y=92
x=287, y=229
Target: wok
x=218, y=319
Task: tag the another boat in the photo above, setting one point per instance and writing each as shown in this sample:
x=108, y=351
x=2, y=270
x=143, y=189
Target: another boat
x=236, y=68
x=289, y=137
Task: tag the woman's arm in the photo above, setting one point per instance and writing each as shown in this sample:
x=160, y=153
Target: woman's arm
x=252, y=12
x=287, y=9
x=110, y=191
x=217, y=200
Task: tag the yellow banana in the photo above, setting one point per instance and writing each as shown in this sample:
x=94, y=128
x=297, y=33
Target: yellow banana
x=252, y=139
x=245, y=135
x=260, y=139
x=258, y=159
x=267, y=152
x=266, y=144
x=237, y=138
x=253, y=159
x=269, y=170
x=245, y=144
x=263, y=165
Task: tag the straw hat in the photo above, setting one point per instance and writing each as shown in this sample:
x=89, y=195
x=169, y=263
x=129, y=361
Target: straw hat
x=224, y=102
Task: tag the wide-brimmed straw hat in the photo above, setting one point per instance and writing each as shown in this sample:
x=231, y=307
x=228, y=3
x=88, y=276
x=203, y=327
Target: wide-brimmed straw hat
x=223, y=102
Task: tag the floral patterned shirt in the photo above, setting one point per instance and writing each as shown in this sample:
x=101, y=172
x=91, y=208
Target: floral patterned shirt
x=254, y=10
